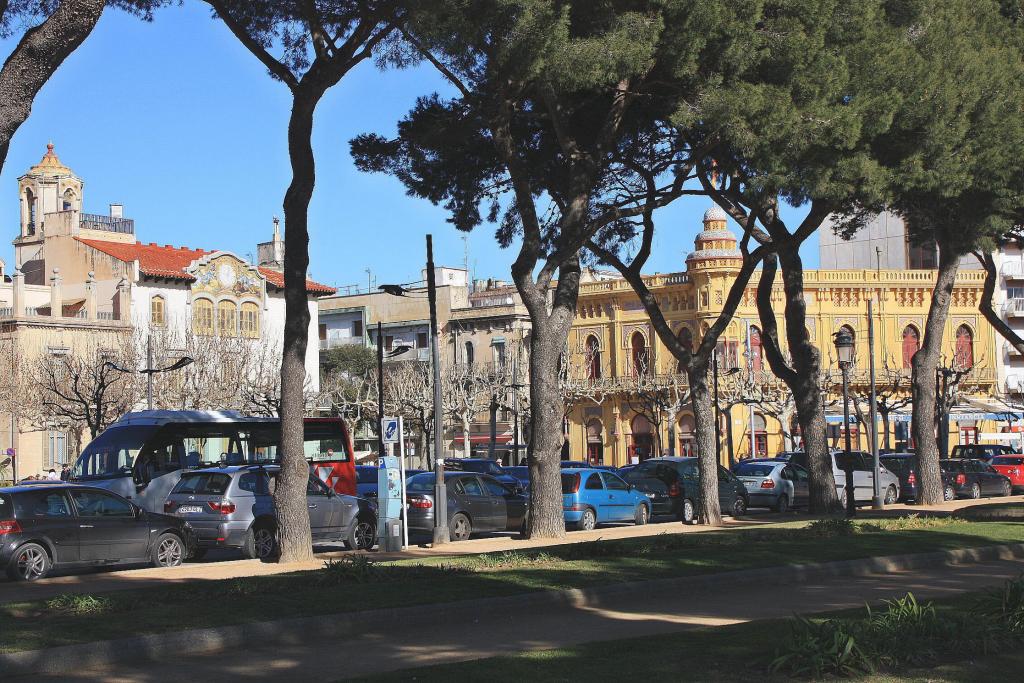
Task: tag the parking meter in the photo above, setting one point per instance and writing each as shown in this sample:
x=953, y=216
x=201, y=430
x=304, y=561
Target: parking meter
x=390, y=500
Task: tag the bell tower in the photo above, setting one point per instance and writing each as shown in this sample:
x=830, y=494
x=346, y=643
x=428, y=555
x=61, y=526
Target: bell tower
x=47, y=188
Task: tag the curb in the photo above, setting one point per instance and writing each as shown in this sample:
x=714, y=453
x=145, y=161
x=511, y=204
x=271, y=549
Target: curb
x=153, y=647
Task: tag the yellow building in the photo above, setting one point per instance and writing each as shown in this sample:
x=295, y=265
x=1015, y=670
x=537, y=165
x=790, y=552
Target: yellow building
x=627, y=402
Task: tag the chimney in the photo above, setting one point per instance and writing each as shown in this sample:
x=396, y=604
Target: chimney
x=117, y=210
x=56, y=294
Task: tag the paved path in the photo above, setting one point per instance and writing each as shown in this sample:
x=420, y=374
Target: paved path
x=225, y=565
x=419, y=642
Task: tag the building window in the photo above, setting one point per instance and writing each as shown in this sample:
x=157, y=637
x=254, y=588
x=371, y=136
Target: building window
x=357, y=329
x=728, y=354
x=755, y=349
x=156, y=311
x=640, y=356
x=593, y=358
x=322, y=331
x=499, y=354
x=250, y=320
x=69, y=200
x=389, y=342
x=226, y=319
x=469, y=354
x=964, y=357
x=421, y=340
x=57, y=453
x=202, y=316
x=911, y=343
x=922, y=256
x=30, y=205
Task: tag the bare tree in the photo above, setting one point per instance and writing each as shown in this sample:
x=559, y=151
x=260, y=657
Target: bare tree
x=464, y=394
x=409, y=392
x=892, y=394
x=659, y=398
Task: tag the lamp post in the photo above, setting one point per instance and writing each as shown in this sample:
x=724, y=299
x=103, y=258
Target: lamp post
x=440, y=491
x=149, y=370
x=843, y=341
x=396, y=351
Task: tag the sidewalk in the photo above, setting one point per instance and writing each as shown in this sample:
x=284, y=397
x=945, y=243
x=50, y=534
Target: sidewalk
x=102, y=581
x=423, y=640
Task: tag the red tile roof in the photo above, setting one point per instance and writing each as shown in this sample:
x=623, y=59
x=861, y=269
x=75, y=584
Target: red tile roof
x=170, y=262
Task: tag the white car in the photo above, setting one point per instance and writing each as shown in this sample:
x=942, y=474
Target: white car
x=863, y=476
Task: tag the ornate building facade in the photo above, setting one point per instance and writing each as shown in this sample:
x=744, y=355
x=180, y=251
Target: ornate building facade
x=626, y=400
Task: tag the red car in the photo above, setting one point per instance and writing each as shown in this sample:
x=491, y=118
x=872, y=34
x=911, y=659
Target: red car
x=1012, y=466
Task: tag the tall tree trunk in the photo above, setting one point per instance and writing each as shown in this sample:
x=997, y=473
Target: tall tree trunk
x=709, y=509
x=886, y=443
x=924, y=367
x=422, y=443
x=295, y=539
x=467, y=445
x=493, y=422
x=36, y=57
x=803, y=377
x=671, y=432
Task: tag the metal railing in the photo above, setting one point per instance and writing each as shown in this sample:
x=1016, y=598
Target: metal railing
x=96, y=221
x=1012, y=270
x=6, y=312
x=105, y=315
x=335, y=342
x=1014, y=307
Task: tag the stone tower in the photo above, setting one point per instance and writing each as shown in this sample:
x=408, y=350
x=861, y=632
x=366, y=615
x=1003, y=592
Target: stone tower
x=47, y=190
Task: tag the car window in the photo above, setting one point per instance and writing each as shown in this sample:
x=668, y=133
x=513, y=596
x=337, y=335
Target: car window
x=951, y=465
x=799, y=472
x=315, y=487
x=689, y=472
x=494, y=488
x=203, y=483
x=1008, y=460
x=593, y=482
x=366, y=475
x=725, y=475
x=471, y=486
x=42, y=504
x=614, y=482
x=254, y=482
x=756, y=469
x=100, y=504
x=6, y=509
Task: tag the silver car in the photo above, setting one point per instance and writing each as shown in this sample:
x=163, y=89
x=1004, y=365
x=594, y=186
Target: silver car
x=775, y=484
x=863, y=476
x=232, y=507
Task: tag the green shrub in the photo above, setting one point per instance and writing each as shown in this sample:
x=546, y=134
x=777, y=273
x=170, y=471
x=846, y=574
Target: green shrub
x=816, y=649
x=349, y=569
x=1005, y=606
x=905, y=632
x=906, y=523
x=831, y=527
x=80, y=604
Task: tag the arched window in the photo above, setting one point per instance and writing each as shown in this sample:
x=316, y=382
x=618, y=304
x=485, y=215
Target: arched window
x=964, y=357
x=643, y=438
x=687, y=437
x=469, y=354
x=593, y=358
x=760, y=433
x=595, y=442
x=911, y=343
x=157, y=316
x=249, y=320
x=30, y=205
x=755, y=349
x=641, y=358
x=68, y=203
x=227, y=319
x=202, y=316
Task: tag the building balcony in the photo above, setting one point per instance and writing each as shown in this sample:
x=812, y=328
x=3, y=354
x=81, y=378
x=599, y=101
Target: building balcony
x=1013, y=270
x=1013, y=308
x=96, y=221
x=1011, y=350
x=335, y=342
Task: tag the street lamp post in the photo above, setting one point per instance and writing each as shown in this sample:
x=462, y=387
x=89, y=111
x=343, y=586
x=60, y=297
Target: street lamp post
x=844, y=352
x=149, y=370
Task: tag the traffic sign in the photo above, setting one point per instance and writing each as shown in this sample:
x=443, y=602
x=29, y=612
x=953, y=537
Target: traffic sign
x=389, y=425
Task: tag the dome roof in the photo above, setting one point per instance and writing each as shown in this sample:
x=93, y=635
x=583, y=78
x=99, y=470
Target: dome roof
x=50, y=164
x=715, y=213
x=707, y=235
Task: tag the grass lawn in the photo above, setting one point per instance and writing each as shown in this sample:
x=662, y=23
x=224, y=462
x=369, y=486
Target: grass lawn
x=723, y=654
x=358, y=585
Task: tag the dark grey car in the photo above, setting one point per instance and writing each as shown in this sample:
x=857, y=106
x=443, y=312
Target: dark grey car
x=476, y=502
x=232, y=507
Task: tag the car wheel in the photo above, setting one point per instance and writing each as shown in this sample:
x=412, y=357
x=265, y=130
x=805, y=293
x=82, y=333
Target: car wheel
x=643, y=515
x=739, y=507
x=30, y=562
x=260, y=543
x=948, y=492
x=689, y=512
x=975, y=491
x=891, y=495
x=168, y=551
x=460, y=528
x=588, y=522
x=361, y=535
x=782, y=504
x=1007, y=489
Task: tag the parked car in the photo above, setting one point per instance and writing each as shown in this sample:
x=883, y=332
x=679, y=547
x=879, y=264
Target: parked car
x=232, y=507
x=982, y=451
x=520, y=473
x=591, y=497
x=904, y=466
x=59, y=525
x=863, y=476
x=366, y=481
x=975, y=478
x=476, y=502
x=1011, y=466
x=482, y=466
x=775, y=484
x=671, y=484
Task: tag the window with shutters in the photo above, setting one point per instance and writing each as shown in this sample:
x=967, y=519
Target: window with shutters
x=227, y=319
x=156, y=312
x=202, y=316
x=249, y=320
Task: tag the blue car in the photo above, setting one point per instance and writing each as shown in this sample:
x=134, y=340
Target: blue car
x=591, y=497
x=366, y=481
x=520, y=473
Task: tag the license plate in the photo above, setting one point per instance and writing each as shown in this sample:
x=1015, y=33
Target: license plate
x=185, y=509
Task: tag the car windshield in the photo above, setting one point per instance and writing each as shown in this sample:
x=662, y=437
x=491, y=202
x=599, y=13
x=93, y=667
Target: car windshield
x=1008, y=460
x=6, y=511
x=421, y=483
x=366, y=475
x=112, y=453
x=897, y=465
x=753, y=469
x=951, y=465
x=203, y=483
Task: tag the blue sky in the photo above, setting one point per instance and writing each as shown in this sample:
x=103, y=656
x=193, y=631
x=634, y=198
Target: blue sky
x=178, y=122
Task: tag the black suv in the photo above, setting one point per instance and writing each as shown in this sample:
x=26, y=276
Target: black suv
x=975, y=478
x=56, y=525
x=672, y=485
x=981, y=451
